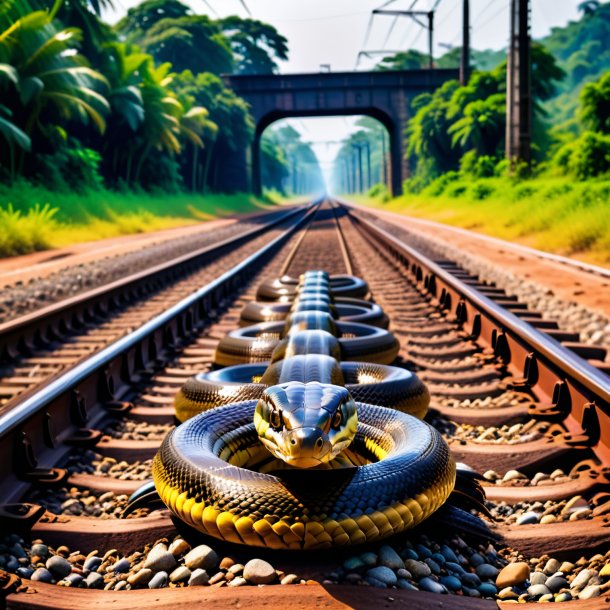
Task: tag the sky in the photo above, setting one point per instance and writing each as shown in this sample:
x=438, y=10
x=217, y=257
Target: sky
x=335, y=31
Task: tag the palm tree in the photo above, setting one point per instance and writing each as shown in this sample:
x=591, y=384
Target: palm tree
x=588, y=7
x=197, y=128
x=44, y=74
x=13, y=136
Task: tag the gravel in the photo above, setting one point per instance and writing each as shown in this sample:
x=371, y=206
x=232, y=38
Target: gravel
x=74, y=501
x=593, y=326
x=20, y=298
x=90, y=462
x=525, y=513
x=512, y=434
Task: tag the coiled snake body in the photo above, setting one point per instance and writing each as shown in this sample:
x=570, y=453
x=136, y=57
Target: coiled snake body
x=296, y=454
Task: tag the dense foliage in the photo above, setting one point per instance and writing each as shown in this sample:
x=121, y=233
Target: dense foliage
x=140, y=105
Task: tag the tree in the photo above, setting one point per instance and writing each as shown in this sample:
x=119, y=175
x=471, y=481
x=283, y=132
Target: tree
x=256, y=46
x=223, y=164
x=407, y=60
x=588, y=7
x=45, y=80
x=482, y=127
x=170, y=33
x=595, y=104
x=142, y=17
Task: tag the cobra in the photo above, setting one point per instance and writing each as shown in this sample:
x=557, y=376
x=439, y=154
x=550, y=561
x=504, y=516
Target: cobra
x=291, y=459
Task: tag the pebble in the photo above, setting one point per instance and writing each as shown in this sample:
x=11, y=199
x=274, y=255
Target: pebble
x=290, y=579
x=353, y=563
x=218, y=577
x=582, y=578
x=590, y=592
x=94, y=580
x=259, y=572
x=141, y=578
x=160, y=560
x=566, y=567
x=427, y=584
x=487, y=589
x=201, y=556
x=556, y=583
x=507, y=593
x=451, y=582
x=238, y=582
x=179, y=547
x=605, y=571
x=42, y=575
x=512, y=475
x=513, y=574
x=486, y=571
x=180, y=573
x=528, y=518
x=382, y=574
x=122, y=566
x=563, y=597
x=199, y=577
x=24, y=572
x=551, y=566
x=536, y=590
x=74, y=580
x=41, y=550
x=92, y=563
x=158, y=580
x=538, y=578
x=418, y=568
x=58, y=566
x=389, y=558
x=370, y=559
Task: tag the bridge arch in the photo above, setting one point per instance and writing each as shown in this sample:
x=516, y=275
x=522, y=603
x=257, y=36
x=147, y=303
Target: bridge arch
x=382, y=95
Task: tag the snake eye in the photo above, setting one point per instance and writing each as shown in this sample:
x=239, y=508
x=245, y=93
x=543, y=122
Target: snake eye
x=337, y=419
x=275, y=419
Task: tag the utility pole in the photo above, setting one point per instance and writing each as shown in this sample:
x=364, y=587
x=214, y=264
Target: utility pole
x=368, y=165
x=431, y=39
x=358, y=148
x=465, y=57
x=384, y=157
x=519, y=86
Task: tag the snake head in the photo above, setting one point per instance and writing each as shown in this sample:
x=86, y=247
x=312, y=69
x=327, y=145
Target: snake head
x=306, y=424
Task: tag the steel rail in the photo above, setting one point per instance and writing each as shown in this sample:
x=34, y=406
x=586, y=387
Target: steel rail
x=558, y=373
x=71, y=378
x=519, y=248
x=17, y=334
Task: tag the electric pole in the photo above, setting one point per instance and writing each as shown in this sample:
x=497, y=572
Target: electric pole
x=384, y=157
x=465, y=57
x=368, y=165
x=519, y=86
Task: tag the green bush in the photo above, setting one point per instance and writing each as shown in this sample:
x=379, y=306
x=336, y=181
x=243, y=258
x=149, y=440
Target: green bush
x=22, y=233
x=71, y=168
x=586, y=157
x=456, y=190
x=523, y=191
x=379, y=191
x=481, y=190
x=478, y=166
x=438, y=186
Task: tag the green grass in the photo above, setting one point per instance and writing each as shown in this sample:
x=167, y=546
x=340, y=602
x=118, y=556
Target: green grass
x=33, y=218
x=557, y=215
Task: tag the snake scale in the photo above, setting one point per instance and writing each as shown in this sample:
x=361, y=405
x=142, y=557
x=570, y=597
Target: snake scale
x=309, y=439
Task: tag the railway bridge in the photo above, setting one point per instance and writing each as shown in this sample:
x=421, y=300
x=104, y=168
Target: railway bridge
x=385, y=96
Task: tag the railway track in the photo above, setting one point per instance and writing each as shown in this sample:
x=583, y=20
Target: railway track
x=39, y=345
x=512, y=401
